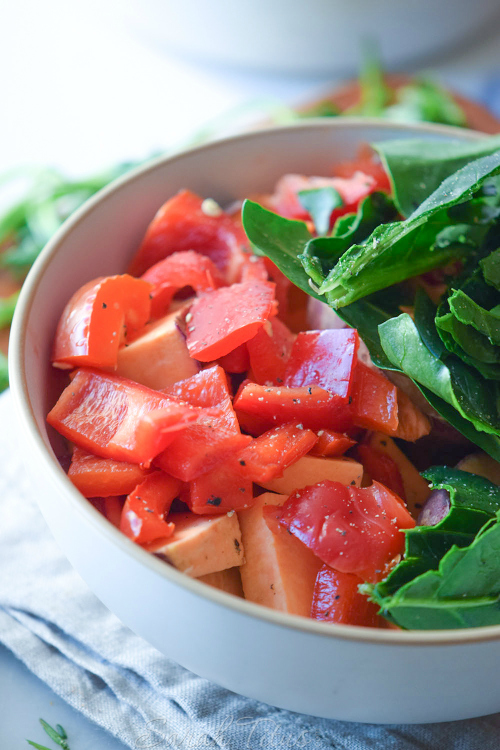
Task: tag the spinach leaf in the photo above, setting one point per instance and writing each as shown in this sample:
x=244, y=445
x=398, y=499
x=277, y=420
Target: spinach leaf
x=322, y=252
x=473, y=502
x=463, y=592
x=397, y=251
x=470, y=313
x=417, y=167
x=491, y=268
x=454, y=382
x=320, y=203
x=282, y=240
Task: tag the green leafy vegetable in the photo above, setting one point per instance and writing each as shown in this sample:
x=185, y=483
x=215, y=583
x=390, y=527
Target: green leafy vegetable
x=320, y=203
x=4, y=372
x=322, y=252
x=57, y=735
x=491, y=268
x=454, y=382
x=282, y=240
x=397, y=251
x=426, y=578
x=417, y=168
x=423, y=100
x=463, y=592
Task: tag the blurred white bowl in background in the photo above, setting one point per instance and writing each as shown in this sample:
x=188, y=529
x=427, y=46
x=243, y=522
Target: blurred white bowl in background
x=320, y=36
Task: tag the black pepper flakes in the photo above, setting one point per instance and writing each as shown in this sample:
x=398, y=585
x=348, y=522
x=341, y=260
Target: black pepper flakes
x=213, y=500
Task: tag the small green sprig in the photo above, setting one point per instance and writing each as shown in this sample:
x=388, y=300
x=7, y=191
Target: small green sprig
x=57, y=735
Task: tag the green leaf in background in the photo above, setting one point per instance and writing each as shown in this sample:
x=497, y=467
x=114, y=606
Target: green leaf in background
x=282, y=240
x=7, y=307
x=397, y=251
x=4, y=372
x=423, y=100
x=320, y=203
x=417, y=167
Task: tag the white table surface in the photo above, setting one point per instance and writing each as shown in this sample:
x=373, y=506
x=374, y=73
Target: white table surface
x=80, y=92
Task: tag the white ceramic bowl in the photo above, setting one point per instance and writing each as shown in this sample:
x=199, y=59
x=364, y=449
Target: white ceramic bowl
x=333, y=671
x=319, y=36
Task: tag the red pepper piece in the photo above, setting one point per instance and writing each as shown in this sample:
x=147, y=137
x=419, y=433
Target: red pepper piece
x=311, y=406
x=102, y=477
x=367, y=162
x=381, y=468
x=215, y=436
x=254, y=269
x=331, y=444
x=143, y=515
x=269, y=455
x=269, y=351
x=236, y=361
x=220, y=490
x=374, y=402
x=324, y=358
x=121, y=426
x=352, y=190
x=182, y=224
x=222, y=320
x=354, y=530
x=98, y=318
x=176, y=272
x=336, y=598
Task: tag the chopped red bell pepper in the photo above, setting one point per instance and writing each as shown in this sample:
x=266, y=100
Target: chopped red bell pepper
x=269, y=351
x=222, y=489
x=183, y=224
x=97, y=320
x=110, y=507
x=374, y=401
x=254, y=269
x=221, y=320
x=351, y=189
x=368, y=163
x=176, y=272
x=352, y=529
x=145, y=509
x=215, y=436
x=121, y=425
x=381, y=468
x=332, y=443
x=324, y=358
x=311, y=406
x=336, y=598
x=95, y=476
x=269, y=455
x=236, y=361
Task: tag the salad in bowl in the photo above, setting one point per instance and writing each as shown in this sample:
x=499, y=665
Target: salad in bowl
x=280, y=381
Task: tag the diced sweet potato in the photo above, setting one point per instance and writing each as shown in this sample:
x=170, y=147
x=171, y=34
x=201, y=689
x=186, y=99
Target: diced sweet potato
x=225, y=580
x=311, y=470
x=412, y=424
x=159, y=357
x=279, y=571
x=415, y=487
x=202, y=544
x=481, y=464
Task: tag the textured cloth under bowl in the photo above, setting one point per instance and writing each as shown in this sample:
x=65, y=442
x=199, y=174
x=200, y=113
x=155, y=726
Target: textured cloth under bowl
x=56, y=626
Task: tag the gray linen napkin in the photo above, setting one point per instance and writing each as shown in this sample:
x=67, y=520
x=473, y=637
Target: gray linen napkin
x=58, y=628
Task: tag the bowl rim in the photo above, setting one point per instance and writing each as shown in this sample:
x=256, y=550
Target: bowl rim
x=25, y=412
